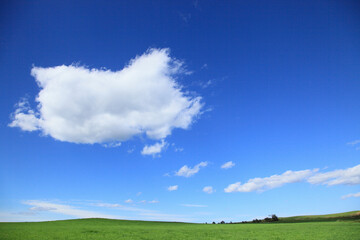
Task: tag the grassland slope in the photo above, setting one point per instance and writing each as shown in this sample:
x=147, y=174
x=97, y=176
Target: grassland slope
x=345, y=216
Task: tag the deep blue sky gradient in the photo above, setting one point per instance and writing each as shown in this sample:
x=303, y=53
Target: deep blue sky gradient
x=284, y=95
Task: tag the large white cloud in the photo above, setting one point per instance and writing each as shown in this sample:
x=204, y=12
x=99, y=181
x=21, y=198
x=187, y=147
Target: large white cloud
x=274, y=181
x=173, y=188
x=350, y=176
x=81, y=105
x=186, y=171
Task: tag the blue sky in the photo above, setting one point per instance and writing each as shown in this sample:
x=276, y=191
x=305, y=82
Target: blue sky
x=192, y=111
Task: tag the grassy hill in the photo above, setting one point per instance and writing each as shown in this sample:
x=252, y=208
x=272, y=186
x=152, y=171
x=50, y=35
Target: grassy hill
x=346, y=216
x=107, y=229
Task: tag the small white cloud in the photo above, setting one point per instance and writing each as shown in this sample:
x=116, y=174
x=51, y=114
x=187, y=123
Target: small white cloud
x=154, y=149
x=139, y=193
x=228, y=165
x=208, y=189
x=349, y=176
x=172, y=188
x=24, y=117
x=129, y=201
x=112, y=144
x=185, y=171
x=142, y=201
x=81, y=105
x=274, y=181
x=351, y=195
x=193, y=205
x=154, y=201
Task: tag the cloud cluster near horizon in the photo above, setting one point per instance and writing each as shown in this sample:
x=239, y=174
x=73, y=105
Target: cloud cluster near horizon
x=349, y=176
x=81, y=105
x=40, y=207
x=274, y=181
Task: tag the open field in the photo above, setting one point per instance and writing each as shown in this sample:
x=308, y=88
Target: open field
x=106, y=229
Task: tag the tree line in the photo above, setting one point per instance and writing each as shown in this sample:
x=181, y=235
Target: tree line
x=271, y=218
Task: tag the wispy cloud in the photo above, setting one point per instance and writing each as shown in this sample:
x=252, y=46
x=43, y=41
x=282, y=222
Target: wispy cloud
x=349, y=176
x=351, y=195
x=131, y=150
x=354, y=142
x=186, y=171
x=178, y=149
x=77, y=212
x=274, y=181
x=206, y=84
x=193, y=205
x=166, y=217
x=154, y=149
x=64, y=209
x=173, y=188
x=81, y=105
x=118, y=206
x=204, y=66
x=228, y=165
x=208, y=189
x=185, y=16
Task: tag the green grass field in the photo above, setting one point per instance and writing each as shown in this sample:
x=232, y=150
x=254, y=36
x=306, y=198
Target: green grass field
x=106, y=229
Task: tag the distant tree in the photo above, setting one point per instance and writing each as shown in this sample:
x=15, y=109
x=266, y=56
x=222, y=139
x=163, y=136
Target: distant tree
x=274, y=218
x=267, y=219
x=213, y=223
x=222, y=222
